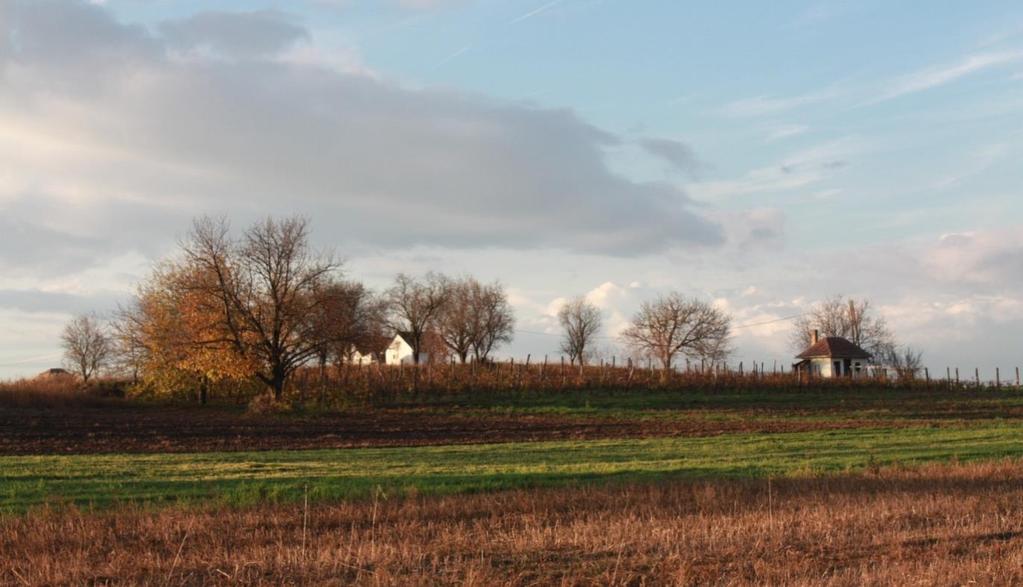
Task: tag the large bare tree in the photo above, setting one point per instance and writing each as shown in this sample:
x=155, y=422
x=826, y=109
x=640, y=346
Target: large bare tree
x=415, y=307
x=349, y=318
x=262, y=290
x=581, y=321
x=87, y=346
x=495, y=319
x=848, y=318
x=456, y=322
x=476, y=318
x=674, y=325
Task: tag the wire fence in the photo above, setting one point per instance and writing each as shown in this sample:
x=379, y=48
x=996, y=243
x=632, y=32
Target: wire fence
x=377, y=381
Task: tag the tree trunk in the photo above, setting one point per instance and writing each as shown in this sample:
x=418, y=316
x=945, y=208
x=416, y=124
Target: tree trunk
x=277, y=383
x=323, y=379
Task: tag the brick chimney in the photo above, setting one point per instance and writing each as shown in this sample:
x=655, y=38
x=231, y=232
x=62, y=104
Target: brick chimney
x=816, y=336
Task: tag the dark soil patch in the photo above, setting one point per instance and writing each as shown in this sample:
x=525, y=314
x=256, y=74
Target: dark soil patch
x=159, y=429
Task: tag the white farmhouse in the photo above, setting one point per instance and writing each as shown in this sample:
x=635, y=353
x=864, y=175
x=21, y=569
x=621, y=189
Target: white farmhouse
x=833, y=356
x=360, y=357
x=399, y=352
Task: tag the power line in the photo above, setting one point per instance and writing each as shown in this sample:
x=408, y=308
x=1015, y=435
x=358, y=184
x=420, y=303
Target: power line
x=782, y=319
x=29, y=361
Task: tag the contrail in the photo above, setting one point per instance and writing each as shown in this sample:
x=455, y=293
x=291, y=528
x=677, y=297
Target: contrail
x=461, y=51
x=533, y=13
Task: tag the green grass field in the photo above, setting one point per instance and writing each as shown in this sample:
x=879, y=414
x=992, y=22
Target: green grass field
x=823, y=404
x=240, y=478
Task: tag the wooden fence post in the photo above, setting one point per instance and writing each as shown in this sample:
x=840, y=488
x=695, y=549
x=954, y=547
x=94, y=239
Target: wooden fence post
x=976, y=375
x=1017, y=377
x=998, y=378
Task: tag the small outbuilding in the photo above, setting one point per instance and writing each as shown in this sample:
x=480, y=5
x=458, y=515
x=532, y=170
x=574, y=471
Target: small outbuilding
x=55, y=374
x=831, y=357
x=399, y=352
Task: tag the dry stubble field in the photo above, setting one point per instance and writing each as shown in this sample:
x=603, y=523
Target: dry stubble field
x=931, y=521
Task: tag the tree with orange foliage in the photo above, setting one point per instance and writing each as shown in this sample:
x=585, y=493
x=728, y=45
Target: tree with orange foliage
x=177, y=336
x=259, y=293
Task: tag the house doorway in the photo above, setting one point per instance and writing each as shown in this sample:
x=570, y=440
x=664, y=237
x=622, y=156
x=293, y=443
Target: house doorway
x=837, y=367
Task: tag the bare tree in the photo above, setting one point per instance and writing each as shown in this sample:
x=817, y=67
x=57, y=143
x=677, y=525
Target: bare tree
x=456, y=323
x=262, y=289
x=475, y=319
x=494, y=319
x=906, y=361
x=129, y=347
x=348, y=318
x=415, y=307
x=674, y=325
x=848, y=318
x=581, y=322
x=87, y=346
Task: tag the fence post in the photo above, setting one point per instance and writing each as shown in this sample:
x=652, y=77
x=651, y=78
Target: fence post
x=976, y=375
x=1017, y=376
x=927, y=375
x=998, y=378
x=957, y=376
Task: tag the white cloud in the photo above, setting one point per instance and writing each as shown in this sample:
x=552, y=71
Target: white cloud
x=937, y=76
x=120, y=126
x=785, y=131
x=974, y=163
x=764, y=105
x=795, y=172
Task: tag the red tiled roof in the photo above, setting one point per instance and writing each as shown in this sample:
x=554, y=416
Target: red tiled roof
x=834, y=346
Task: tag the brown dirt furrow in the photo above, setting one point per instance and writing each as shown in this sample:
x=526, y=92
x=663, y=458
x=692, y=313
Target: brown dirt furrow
x=154, y=429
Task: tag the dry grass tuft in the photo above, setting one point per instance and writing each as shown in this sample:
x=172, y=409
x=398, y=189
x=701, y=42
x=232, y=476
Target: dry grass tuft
x=933, y=525
x=58, y=392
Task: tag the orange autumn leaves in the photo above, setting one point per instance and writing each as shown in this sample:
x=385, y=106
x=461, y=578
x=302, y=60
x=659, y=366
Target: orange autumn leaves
x=178, y=325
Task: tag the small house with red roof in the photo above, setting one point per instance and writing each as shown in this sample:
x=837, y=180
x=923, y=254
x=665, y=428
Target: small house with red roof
x=833, y=356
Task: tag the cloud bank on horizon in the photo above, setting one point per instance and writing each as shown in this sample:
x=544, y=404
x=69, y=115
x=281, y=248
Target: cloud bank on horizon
x=540, y=156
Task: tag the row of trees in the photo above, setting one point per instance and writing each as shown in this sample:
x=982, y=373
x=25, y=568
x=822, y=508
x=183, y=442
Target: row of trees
x=260, y=306
x=664, y=329
x=264, y=305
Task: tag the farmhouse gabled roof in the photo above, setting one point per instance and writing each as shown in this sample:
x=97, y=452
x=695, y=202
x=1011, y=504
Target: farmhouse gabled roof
x=375, y=344
x=834, y=346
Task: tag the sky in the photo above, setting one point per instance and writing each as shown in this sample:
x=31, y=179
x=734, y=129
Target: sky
x=760, y=156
